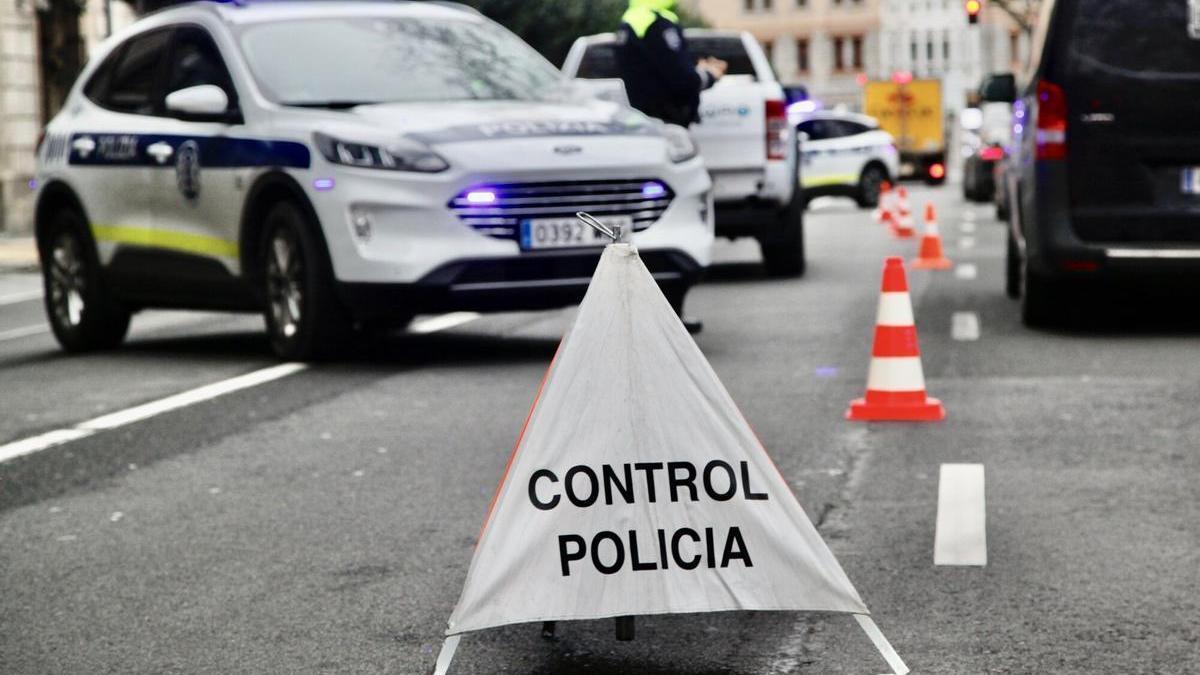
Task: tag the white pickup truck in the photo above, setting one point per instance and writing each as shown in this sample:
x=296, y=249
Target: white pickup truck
x=744, y=137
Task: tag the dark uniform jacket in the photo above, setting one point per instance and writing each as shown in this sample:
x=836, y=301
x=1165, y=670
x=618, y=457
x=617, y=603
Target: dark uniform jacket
x=660, y=74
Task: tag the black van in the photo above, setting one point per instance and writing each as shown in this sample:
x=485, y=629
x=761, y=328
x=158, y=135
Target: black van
x=1105, y=183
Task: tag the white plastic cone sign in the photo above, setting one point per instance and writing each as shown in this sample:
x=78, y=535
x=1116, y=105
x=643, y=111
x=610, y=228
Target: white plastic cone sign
x=637, y=487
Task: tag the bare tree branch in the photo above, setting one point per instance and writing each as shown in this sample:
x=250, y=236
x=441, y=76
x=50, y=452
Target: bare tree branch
x=1024, y=12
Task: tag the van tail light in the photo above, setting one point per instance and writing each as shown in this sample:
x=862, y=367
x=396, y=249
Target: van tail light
x=777, y=129
x=1051, y=121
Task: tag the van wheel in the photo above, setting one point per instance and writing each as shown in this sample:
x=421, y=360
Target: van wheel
x=1039, y=299
x=304, y=319
x=869, y=182
x=82, y=312
x=783, y=248
x=1012, y=268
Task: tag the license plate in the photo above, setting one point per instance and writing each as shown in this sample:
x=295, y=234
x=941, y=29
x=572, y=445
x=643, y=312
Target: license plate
x=1190, y=182
x=542, y=233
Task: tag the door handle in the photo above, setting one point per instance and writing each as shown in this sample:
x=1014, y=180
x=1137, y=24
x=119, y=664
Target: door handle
x=84, y=146
x=160, y=151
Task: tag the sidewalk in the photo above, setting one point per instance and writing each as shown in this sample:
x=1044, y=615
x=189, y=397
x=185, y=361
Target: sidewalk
x=17, y=254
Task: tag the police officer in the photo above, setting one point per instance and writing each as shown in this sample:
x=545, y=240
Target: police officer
x=661, y=78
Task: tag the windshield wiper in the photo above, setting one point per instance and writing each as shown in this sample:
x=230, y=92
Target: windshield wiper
x=331, y=105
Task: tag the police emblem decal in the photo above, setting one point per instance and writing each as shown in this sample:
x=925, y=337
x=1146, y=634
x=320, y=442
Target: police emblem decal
x=187, y=169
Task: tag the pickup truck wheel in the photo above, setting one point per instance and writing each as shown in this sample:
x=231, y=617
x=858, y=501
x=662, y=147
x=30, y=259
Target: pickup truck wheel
x=304, y=319
x=868, y=186
x=783, y=247
x=82, y=313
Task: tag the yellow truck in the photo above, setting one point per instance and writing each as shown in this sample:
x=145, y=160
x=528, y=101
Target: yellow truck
x=911, y=111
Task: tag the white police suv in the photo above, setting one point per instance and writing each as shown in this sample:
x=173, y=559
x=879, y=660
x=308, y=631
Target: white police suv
x=844, y=154
x=340, y=164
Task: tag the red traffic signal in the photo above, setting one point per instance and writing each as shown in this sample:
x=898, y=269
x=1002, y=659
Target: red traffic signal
x=974, y=7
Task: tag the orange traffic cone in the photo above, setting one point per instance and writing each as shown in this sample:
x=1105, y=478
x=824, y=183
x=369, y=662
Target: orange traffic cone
x=885, y=201
x=895, y=382
x=903, y=228
x=931, y=256
x=889, y=220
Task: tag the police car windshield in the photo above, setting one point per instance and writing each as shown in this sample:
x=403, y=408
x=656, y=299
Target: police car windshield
x=338, y=61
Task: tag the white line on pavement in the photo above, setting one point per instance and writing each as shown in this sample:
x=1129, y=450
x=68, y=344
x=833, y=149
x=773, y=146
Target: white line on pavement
x=966, y=243
x=23, y=331
x=41, y=442
x=967, y=227
x=968, y=214
x=14, y=298
x=964, y=326
x=961, y=535
x=442, y=322
x=966, y=271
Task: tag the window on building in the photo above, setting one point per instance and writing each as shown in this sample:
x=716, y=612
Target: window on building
x=856, y=52
x=839, y=56
x=802, y=3
x=946, y=49
x=929, y=50
x=802, y=55
x=914, y=51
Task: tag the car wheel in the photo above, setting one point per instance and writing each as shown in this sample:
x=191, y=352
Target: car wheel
x=869, y=182
x=82, y=312
x=304, y=319
x=783, y=248
x=1012, y=268
x=1039, y=299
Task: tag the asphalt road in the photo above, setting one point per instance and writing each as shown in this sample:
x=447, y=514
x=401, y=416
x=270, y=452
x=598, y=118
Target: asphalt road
x=324, y=521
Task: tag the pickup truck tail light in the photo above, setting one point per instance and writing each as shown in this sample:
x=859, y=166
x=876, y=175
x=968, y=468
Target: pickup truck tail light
x=1051, y=121
x=777, y=129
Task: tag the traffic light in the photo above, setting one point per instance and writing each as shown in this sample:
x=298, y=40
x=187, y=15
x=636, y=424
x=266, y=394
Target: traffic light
x=974, y=7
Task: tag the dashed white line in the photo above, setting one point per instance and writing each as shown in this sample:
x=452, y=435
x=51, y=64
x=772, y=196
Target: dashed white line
x=964, y=326
x=966, y=271
x=24, y=331
x=442, y=322
x=968, y=215
x=966, y=243
x=967, y=227
x=961, y=535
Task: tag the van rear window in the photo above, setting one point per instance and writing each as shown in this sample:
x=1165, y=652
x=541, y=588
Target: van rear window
x=1134, y=38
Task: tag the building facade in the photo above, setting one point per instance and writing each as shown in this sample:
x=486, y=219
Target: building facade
x=831, y=45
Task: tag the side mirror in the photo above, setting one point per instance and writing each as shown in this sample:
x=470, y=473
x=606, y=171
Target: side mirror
x=202, y=102
x=608, y=89
x=999, y=88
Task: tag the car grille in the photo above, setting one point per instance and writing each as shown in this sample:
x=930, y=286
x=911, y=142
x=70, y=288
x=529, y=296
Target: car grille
x=498, y=209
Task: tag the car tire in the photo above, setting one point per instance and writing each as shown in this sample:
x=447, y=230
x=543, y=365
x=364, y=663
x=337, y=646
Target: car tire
x=869, y=182
x=1040, y=304
x=1012, y=268
x=304, y=319
x=783, y=248
x=82, y=312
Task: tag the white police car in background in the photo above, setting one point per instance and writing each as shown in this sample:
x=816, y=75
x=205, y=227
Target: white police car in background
x=342, y=163
x=844, y=154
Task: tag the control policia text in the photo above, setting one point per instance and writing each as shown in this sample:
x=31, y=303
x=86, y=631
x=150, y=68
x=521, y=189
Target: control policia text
x=686, y=548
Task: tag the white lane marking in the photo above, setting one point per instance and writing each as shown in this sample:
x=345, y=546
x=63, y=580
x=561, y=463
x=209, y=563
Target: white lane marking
x=14, y=298
x=966, y=243
x=961, y=535
x=966, y=271
x=968, y=215
x=191, y=397
x=964, y=326
x=967, y=227
x=38, y=443
x=442, y=322
x=24, y=331
x=207, y=392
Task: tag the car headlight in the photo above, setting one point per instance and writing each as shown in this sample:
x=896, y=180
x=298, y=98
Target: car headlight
x=680, y=147
x=399, y=156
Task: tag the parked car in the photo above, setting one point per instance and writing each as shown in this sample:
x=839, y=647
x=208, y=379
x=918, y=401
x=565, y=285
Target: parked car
x=845, y=155
x=1106, y=184
x=422, y=159
x=744, y=138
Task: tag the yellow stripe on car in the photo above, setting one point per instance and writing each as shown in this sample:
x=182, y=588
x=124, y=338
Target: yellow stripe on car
x=821, y=181
x=177, y=241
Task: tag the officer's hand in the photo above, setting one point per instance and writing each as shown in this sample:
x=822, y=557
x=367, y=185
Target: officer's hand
x=715, y=66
